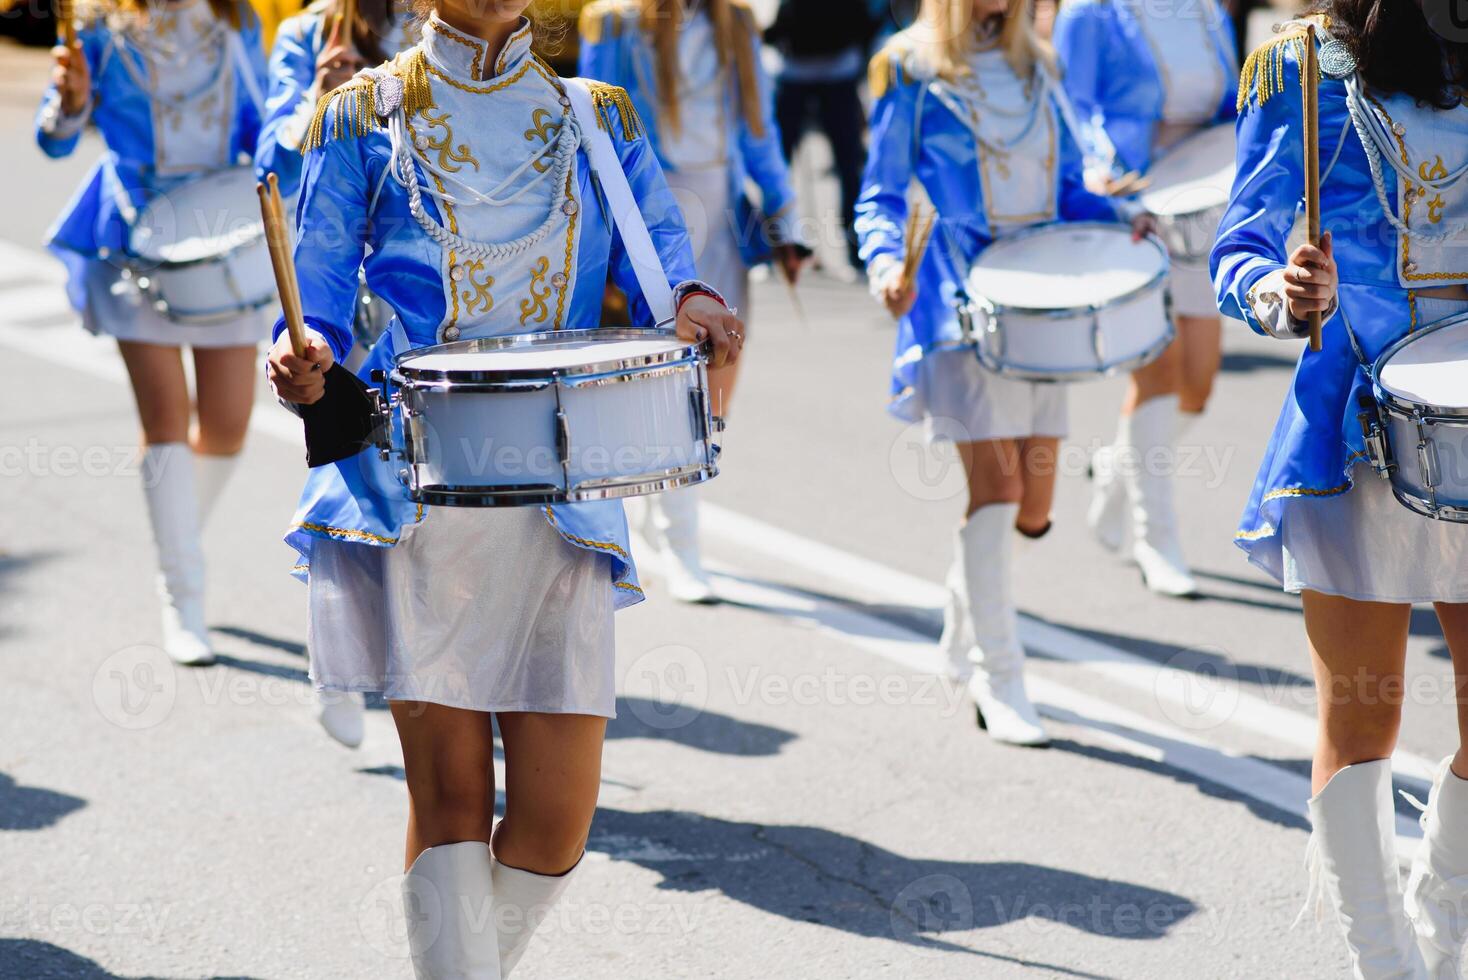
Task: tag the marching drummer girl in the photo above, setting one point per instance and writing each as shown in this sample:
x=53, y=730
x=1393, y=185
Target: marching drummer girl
x=965, y=105
x=456, y=176
x=315, y=52
x=1152, y=74
x=175, y=90
x=1393, y=148
x=693, y=71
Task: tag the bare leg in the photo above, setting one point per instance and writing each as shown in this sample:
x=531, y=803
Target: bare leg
x=994, y=474
x=448, y=755
x=1454, y=620
x=1358, y=650
x=1162, y=377
x=1202, y=355
x=226, y=378
x=160, y=390
x=1039, y=458
x=552, y=777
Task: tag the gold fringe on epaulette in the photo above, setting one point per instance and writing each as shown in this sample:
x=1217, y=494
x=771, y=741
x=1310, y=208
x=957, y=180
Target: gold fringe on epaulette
x=1264, y=69
x=356, y=102
x=606, y=97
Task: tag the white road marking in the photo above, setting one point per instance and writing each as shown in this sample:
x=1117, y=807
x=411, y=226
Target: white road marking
x=48, y=331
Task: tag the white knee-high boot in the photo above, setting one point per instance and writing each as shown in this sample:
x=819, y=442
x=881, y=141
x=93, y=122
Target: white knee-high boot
x=521, y=901
x=958, y=634
x=448, y=897
x=1437, y=888
x=1352, y=860
x=173, y=509
x=675, y=521
x=1146, y=463
x=211, y=474
x=998, y=680
x=1106, y=515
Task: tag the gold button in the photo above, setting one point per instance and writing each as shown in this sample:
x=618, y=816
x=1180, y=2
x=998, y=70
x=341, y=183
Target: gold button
x=450, y=333
x=559, y=280
x=569, y=207
x=456, y=273
x=1399, y=129
x=1410, y=267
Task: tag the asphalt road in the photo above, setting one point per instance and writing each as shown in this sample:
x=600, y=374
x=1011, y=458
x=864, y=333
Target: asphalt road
x=788, y=792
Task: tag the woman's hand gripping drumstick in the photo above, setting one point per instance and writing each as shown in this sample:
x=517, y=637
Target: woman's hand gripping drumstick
x=299, y=360
x=1310, y=284
x=898, y=291
x=70, y=73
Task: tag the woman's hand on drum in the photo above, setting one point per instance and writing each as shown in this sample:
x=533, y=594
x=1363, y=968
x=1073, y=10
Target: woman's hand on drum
x=72, y=77
x=300, y=380
x=1310, y=279
x=898, y=296
x=704, y=319
x=339, y=60
x=1143, y=225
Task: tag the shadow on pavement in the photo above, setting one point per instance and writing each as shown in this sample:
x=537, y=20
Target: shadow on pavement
x=815, y=875
x=707, y=730
x=1246, y=363
x=262, y=640
x=37, y=960
x=32, y=808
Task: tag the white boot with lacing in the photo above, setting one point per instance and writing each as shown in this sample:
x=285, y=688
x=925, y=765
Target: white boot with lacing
x=997, y=681
x=173, y=510
x=1352, y=863
x=1437, y=888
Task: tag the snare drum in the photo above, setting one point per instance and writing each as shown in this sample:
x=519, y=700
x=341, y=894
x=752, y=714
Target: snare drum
x=1416, y=426
x=1068, y=302
x=198, y=252
x=550, y=418
x=1188, y=191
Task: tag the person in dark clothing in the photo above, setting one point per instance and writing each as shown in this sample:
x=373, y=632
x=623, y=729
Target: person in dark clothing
x=824, y=60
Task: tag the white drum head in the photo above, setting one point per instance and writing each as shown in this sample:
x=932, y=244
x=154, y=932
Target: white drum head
x=1194, y=176
x=543, y=357
x=201, y=219
x=1065, y=267
x=1430, y=369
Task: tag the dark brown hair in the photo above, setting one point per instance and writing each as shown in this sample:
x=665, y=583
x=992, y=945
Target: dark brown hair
x=1396, y=48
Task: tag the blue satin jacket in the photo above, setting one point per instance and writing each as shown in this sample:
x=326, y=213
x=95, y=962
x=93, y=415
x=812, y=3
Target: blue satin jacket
x=1317, y=439
x=92, y=226
x=1112, y=75
x=298, y=44
x=914, y=135
x=615, y=49
x=360, y=500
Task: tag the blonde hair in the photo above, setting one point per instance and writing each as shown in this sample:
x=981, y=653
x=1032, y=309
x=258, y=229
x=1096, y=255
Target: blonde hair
x=945, y=35
x=733, y=41
x=225, y=10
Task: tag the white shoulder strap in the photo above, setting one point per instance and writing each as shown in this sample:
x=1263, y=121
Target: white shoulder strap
x=626, y=214
x=241, y=59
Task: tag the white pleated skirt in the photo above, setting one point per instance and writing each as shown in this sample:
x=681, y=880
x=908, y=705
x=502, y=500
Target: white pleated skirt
x=1192, y=290
x=487, y=609
x=114, y=307
x=962, y=401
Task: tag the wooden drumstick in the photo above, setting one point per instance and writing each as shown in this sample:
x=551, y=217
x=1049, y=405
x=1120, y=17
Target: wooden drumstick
x=348, y=17
x=1310, y=85
x=66, y=19
x=277, y=239
x=919, y=234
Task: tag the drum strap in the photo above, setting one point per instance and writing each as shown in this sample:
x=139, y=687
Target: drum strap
x=246, y=72
x=625, y=213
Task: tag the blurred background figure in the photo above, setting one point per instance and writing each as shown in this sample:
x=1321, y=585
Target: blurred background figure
x=694, y=73
x=822, y=63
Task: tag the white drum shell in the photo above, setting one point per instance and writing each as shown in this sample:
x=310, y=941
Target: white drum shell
x=1188, y=191
x=1119, y=319
x=199, y=252
x=1073, y=345
x=633, y=431
x=1420, y=396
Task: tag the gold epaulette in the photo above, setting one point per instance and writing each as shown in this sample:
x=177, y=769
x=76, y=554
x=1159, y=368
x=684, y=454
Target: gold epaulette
x=1264, y=69
x=884, y=72
x=596, y=15
x=352, y=106
x=605, y=98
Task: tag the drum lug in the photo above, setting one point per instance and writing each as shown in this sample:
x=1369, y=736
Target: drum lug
x=1374, y=433
x=1427, y=463
x=563, y=439
x=381, y=421
x=717, y=423
x=1098, y=338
